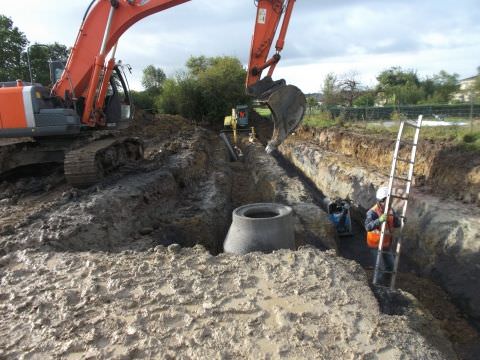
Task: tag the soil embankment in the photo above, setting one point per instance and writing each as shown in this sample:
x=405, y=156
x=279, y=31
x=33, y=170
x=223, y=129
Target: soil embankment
x=441, y=235
x=441, y=169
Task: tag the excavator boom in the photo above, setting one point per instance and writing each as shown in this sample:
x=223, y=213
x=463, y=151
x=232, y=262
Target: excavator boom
x=103, y=25
x=91, y=91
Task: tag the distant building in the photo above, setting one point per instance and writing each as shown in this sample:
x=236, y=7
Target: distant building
x=466, y=89
x=317, y=96
x=380, y=99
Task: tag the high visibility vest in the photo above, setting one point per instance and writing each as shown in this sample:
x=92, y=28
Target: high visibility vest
x=373, y=237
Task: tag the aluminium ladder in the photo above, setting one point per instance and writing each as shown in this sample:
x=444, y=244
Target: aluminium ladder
x=407, y=180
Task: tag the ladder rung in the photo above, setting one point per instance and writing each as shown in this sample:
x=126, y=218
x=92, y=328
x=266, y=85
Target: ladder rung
x=382, y=286
x=411, y=143
x=400, y=197
x=404, y=160
x=386, y=271
x=402, y=178
x=412, y=124
x=387, y=252
x=405, y=176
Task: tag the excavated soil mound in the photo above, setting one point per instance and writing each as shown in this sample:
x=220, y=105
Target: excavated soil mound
x=185, y=303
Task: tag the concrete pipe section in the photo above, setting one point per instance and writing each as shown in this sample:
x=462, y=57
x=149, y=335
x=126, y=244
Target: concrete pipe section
x=260, y=227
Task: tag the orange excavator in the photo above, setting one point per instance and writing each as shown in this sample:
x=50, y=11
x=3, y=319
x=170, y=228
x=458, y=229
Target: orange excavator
x=70, y=122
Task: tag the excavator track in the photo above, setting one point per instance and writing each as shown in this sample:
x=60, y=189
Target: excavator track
x=88, y=164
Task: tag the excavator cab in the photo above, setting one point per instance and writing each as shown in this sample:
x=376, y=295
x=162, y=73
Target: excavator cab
x=241, y=112
x=56, y=69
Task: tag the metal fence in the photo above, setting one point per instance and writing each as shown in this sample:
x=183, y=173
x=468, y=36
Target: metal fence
x=440, y=112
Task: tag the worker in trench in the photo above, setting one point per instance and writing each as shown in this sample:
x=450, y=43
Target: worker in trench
x=373, y=222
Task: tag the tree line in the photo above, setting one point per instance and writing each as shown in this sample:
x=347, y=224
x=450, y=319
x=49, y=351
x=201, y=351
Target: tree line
x=395, y=86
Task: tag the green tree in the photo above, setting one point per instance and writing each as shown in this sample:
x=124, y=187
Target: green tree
x=207, y=90
x=168, y=101
x=12, y=44
x=399, y=86
x=311, y=103
x=198, y=64
x=395, y=76
x=153, y=78
x=366, y=98
x=341, y=90
x=222, y=86
x=143, y=100
x=349, y=88
x=330, y=90
x=182, y=95
x=440, y=88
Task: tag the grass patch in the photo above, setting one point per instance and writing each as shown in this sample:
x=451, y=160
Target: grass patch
x=466, y=137
x=319, y=120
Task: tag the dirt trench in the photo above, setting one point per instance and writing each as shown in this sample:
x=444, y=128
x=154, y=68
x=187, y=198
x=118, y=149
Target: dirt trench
x=464, y=336
x=127, y=268
x=341, y=164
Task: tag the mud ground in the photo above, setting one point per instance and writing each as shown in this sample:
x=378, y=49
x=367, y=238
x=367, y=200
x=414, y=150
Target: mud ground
x=114, y=271
x=185, y=303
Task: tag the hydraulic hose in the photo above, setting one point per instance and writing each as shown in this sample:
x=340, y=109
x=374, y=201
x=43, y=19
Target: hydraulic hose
x=86, y=12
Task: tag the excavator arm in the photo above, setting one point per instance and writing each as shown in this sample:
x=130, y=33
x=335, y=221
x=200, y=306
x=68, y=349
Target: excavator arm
x=87, y=71
x=287, y=103
x=269, y=14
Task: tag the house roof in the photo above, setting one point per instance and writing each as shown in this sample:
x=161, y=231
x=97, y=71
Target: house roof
x=470, y=78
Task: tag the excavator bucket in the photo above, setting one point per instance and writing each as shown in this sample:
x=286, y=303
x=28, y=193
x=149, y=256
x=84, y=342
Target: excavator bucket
x=287, y=104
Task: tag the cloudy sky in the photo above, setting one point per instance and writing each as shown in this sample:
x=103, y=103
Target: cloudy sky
x=349, y=36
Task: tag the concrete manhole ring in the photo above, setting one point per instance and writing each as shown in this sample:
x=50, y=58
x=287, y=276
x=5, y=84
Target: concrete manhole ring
x=260, y=227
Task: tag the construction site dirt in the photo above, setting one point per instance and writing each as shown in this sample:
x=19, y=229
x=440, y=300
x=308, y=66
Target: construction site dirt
x=133, y=266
